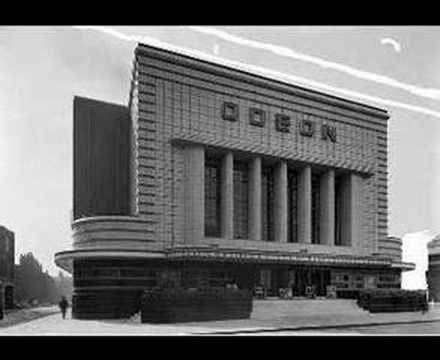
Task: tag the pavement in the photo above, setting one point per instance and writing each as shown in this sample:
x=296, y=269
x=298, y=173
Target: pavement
x=14, y=317
x=326, y=315
x=269, y=317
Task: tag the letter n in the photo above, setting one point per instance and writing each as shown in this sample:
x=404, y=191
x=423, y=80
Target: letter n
x=329, y=132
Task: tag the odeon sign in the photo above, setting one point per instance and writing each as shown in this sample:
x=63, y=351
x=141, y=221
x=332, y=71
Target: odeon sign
x=257, y=117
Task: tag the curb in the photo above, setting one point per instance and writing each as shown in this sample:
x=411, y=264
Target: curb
x=314, y=327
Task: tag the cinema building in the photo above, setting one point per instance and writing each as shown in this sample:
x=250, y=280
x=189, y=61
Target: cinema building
x=433, y=273
x=7, y=261
x=213, y=175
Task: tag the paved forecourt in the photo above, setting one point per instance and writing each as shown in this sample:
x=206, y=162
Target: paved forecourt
x=269, y=317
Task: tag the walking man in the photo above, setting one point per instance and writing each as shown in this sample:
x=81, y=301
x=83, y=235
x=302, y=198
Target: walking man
x=63, y=304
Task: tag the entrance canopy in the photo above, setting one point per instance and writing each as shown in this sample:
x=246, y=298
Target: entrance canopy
x=208, y=253
x=279, y=257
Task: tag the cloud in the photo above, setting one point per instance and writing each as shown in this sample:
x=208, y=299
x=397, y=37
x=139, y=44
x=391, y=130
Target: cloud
x=110, y=31
x=216, y=49
x=284, y=51
x=394, y=43
x=262, y=71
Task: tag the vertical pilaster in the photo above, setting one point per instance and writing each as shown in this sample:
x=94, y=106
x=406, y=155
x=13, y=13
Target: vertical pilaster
x=327, y=208
x=194, y=194
x=305, y=205
x=255, y=221
x=227, y=197
x=280, y=202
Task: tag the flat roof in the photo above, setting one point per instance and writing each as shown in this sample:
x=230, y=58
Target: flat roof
x=79, y=98
x=279, y=85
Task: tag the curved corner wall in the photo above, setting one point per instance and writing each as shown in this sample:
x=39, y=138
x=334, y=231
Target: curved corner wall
x=391, y=247
x=112, y=260
x=115, y=232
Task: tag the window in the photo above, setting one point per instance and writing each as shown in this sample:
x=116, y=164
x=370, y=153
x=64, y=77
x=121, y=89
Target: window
x=219, y=278
x=241, y=194
x=292, y=206
x=267, y=199
x=190, y=278
x=341, y=280
x=212, y=197
x=339, y=214
x=315, y=208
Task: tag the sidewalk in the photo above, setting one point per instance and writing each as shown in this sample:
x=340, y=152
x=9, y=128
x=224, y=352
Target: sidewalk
x=18, y=316
x=302, y=315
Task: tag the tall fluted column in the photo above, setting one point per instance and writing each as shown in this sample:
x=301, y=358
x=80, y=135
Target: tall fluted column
x=227, y=196
x=350, y=207
x=305, y=205
x=327, y=208
x=255, y=225
x=280, y=202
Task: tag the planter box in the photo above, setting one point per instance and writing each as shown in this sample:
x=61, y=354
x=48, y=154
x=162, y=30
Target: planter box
x=178, y=305
x=392, y=300
x=104, y=304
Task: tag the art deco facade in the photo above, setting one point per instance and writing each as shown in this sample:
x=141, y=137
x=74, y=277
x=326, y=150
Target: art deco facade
x=7, y=254
x=213, y=175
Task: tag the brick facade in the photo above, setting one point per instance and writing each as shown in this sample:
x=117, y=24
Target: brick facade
x=180, y=101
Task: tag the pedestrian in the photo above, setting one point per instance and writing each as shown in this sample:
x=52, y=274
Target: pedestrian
x=63, y=304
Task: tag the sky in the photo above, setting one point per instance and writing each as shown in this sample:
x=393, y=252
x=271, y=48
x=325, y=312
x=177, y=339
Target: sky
x=42, y=68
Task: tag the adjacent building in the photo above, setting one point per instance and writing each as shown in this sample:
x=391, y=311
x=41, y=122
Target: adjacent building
x=213, y=175
x=433, y=273
x=7, y=260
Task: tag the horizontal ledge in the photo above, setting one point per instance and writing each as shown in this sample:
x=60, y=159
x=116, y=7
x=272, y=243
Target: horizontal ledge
x=64, y=259
x=111, y=218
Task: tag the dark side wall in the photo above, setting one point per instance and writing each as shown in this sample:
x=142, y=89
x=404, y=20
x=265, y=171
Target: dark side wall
x=100, y=158
x=7, y=254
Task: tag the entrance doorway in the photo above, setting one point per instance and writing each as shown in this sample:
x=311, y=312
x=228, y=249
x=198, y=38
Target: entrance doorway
x=318, y=278
x=297, y=279
x=265, y=279
x=273, y=279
